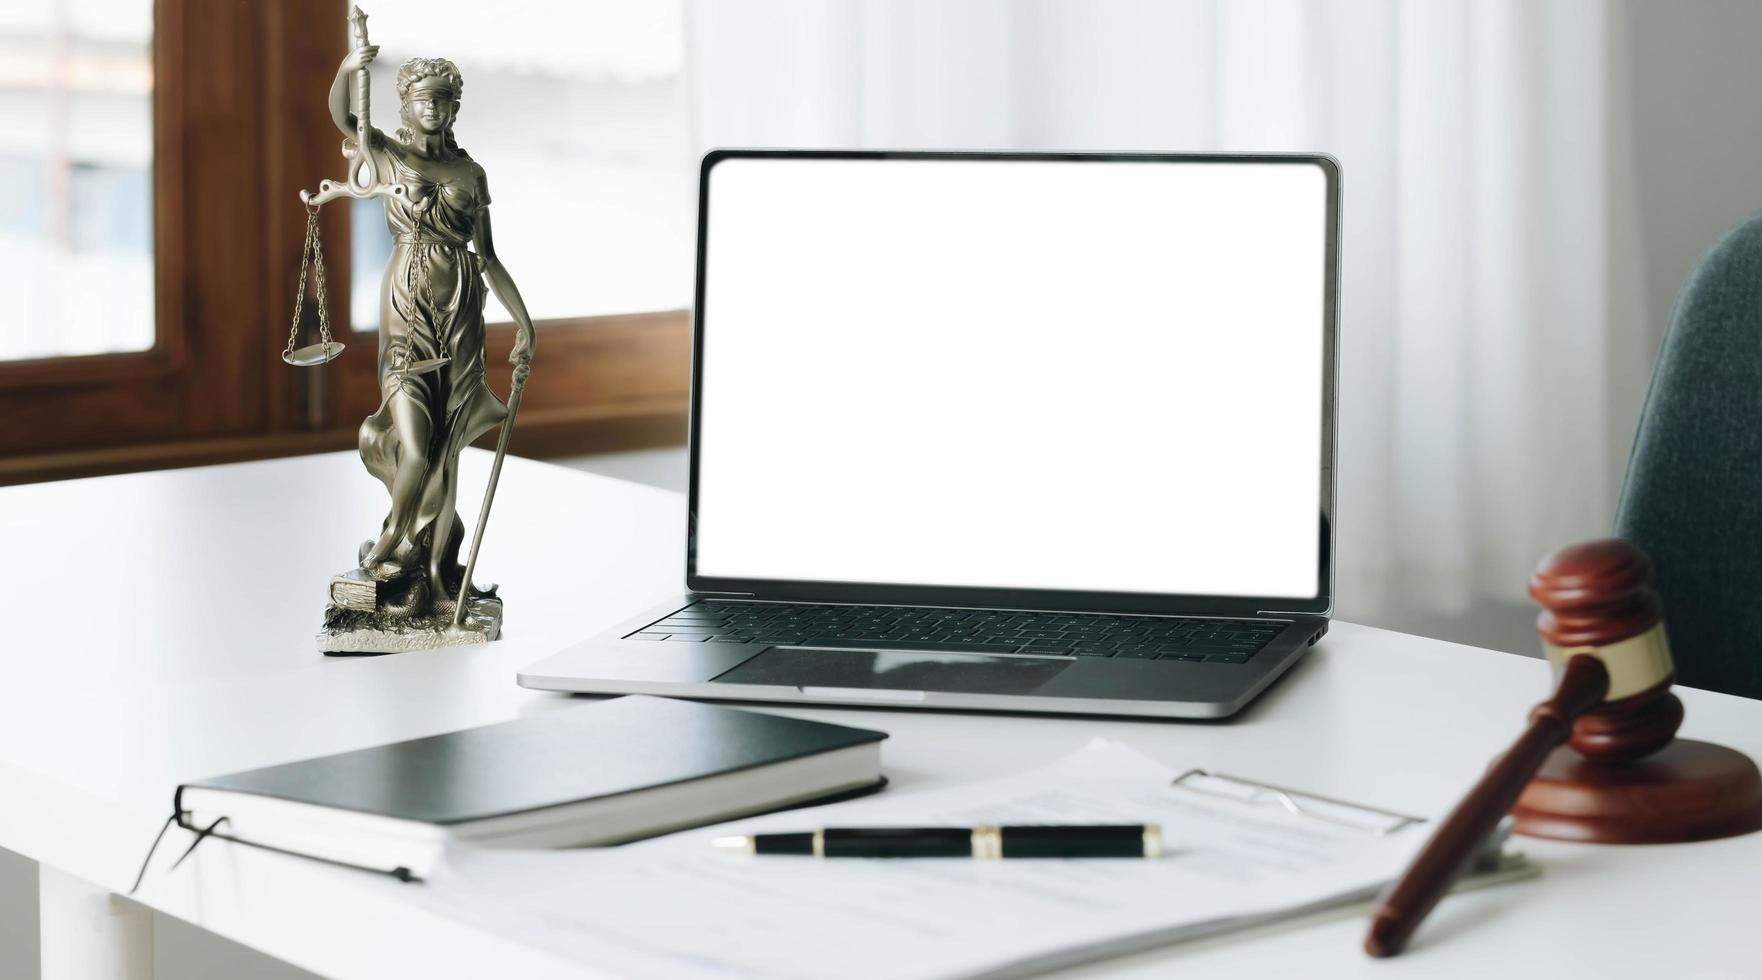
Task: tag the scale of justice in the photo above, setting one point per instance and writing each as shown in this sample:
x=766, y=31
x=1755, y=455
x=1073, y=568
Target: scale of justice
x=473, y=619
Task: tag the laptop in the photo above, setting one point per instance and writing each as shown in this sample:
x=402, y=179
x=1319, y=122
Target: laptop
x=1041, y=432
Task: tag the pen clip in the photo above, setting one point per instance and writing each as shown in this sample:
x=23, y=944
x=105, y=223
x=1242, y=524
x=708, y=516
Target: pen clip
x=1293, y=802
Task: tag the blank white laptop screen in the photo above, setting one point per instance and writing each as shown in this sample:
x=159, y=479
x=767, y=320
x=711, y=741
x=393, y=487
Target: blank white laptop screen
x=1072, y=375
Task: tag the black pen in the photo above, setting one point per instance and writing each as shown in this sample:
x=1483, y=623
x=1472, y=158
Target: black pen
x=1138, y=840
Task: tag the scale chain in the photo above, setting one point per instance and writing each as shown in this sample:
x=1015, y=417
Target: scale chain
x=313, y=249
x=323, y=296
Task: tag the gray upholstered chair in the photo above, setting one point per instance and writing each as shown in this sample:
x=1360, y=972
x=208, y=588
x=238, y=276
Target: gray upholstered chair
x=1692, y=499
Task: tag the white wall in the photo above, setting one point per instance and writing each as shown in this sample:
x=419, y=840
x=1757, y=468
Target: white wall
x=1696, y=76
x=18, y=916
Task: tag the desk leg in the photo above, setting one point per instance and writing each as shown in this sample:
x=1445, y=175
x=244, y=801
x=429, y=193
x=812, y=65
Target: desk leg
x=89, y=933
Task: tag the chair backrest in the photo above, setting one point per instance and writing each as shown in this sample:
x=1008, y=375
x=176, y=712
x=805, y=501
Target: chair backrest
x=1692, y=499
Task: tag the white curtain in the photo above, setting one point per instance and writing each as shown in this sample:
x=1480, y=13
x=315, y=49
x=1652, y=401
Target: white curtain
x=1493, y=349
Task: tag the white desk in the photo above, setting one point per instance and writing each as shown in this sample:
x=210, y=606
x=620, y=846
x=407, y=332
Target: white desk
x=160, y=629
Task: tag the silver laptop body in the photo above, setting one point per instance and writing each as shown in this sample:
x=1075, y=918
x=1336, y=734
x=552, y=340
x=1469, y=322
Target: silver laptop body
x=1045, y=432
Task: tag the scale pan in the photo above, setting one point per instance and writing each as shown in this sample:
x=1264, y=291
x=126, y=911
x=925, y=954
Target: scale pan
x=421, y=367
x=313, y=355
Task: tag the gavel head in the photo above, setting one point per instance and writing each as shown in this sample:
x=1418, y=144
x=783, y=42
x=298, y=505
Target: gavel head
x=1595, y=600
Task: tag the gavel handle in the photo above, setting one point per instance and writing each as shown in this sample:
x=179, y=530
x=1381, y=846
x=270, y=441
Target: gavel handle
x=1464, y=832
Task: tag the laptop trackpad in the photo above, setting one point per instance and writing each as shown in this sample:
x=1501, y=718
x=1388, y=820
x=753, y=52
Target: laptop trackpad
x=868, y=669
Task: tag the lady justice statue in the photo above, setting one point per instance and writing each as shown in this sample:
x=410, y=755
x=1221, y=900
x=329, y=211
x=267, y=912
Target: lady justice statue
x=409, y=591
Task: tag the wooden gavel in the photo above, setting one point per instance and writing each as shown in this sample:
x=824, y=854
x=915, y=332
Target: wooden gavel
x=1622, y=777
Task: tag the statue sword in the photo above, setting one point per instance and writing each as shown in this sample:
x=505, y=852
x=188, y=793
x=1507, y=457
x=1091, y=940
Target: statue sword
x=489, y=496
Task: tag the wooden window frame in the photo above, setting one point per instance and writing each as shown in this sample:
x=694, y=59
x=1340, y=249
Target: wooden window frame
x=240, y=124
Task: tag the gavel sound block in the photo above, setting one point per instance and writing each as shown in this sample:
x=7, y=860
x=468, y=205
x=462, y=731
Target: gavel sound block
x=1623, y=777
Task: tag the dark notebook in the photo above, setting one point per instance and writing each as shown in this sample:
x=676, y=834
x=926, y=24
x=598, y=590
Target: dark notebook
x=595, y=774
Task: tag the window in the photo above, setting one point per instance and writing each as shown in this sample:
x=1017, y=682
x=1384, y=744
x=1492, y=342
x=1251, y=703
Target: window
x=76, y=222
x=151, y=262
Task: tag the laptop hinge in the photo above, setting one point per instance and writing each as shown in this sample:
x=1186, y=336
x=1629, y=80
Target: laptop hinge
x=735, y=595
x=1286, y=612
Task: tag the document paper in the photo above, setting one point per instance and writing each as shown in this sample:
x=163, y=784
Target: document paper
x=674, y=907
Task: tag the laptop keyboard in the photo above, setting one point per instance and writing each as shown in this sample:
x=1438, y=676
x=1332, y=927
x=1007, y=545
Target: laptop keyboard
x=964, y=631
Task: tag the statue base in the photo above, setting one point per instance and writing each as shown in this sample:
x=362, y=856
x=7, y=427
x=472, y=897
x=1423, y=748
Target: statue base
x=355, y=632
